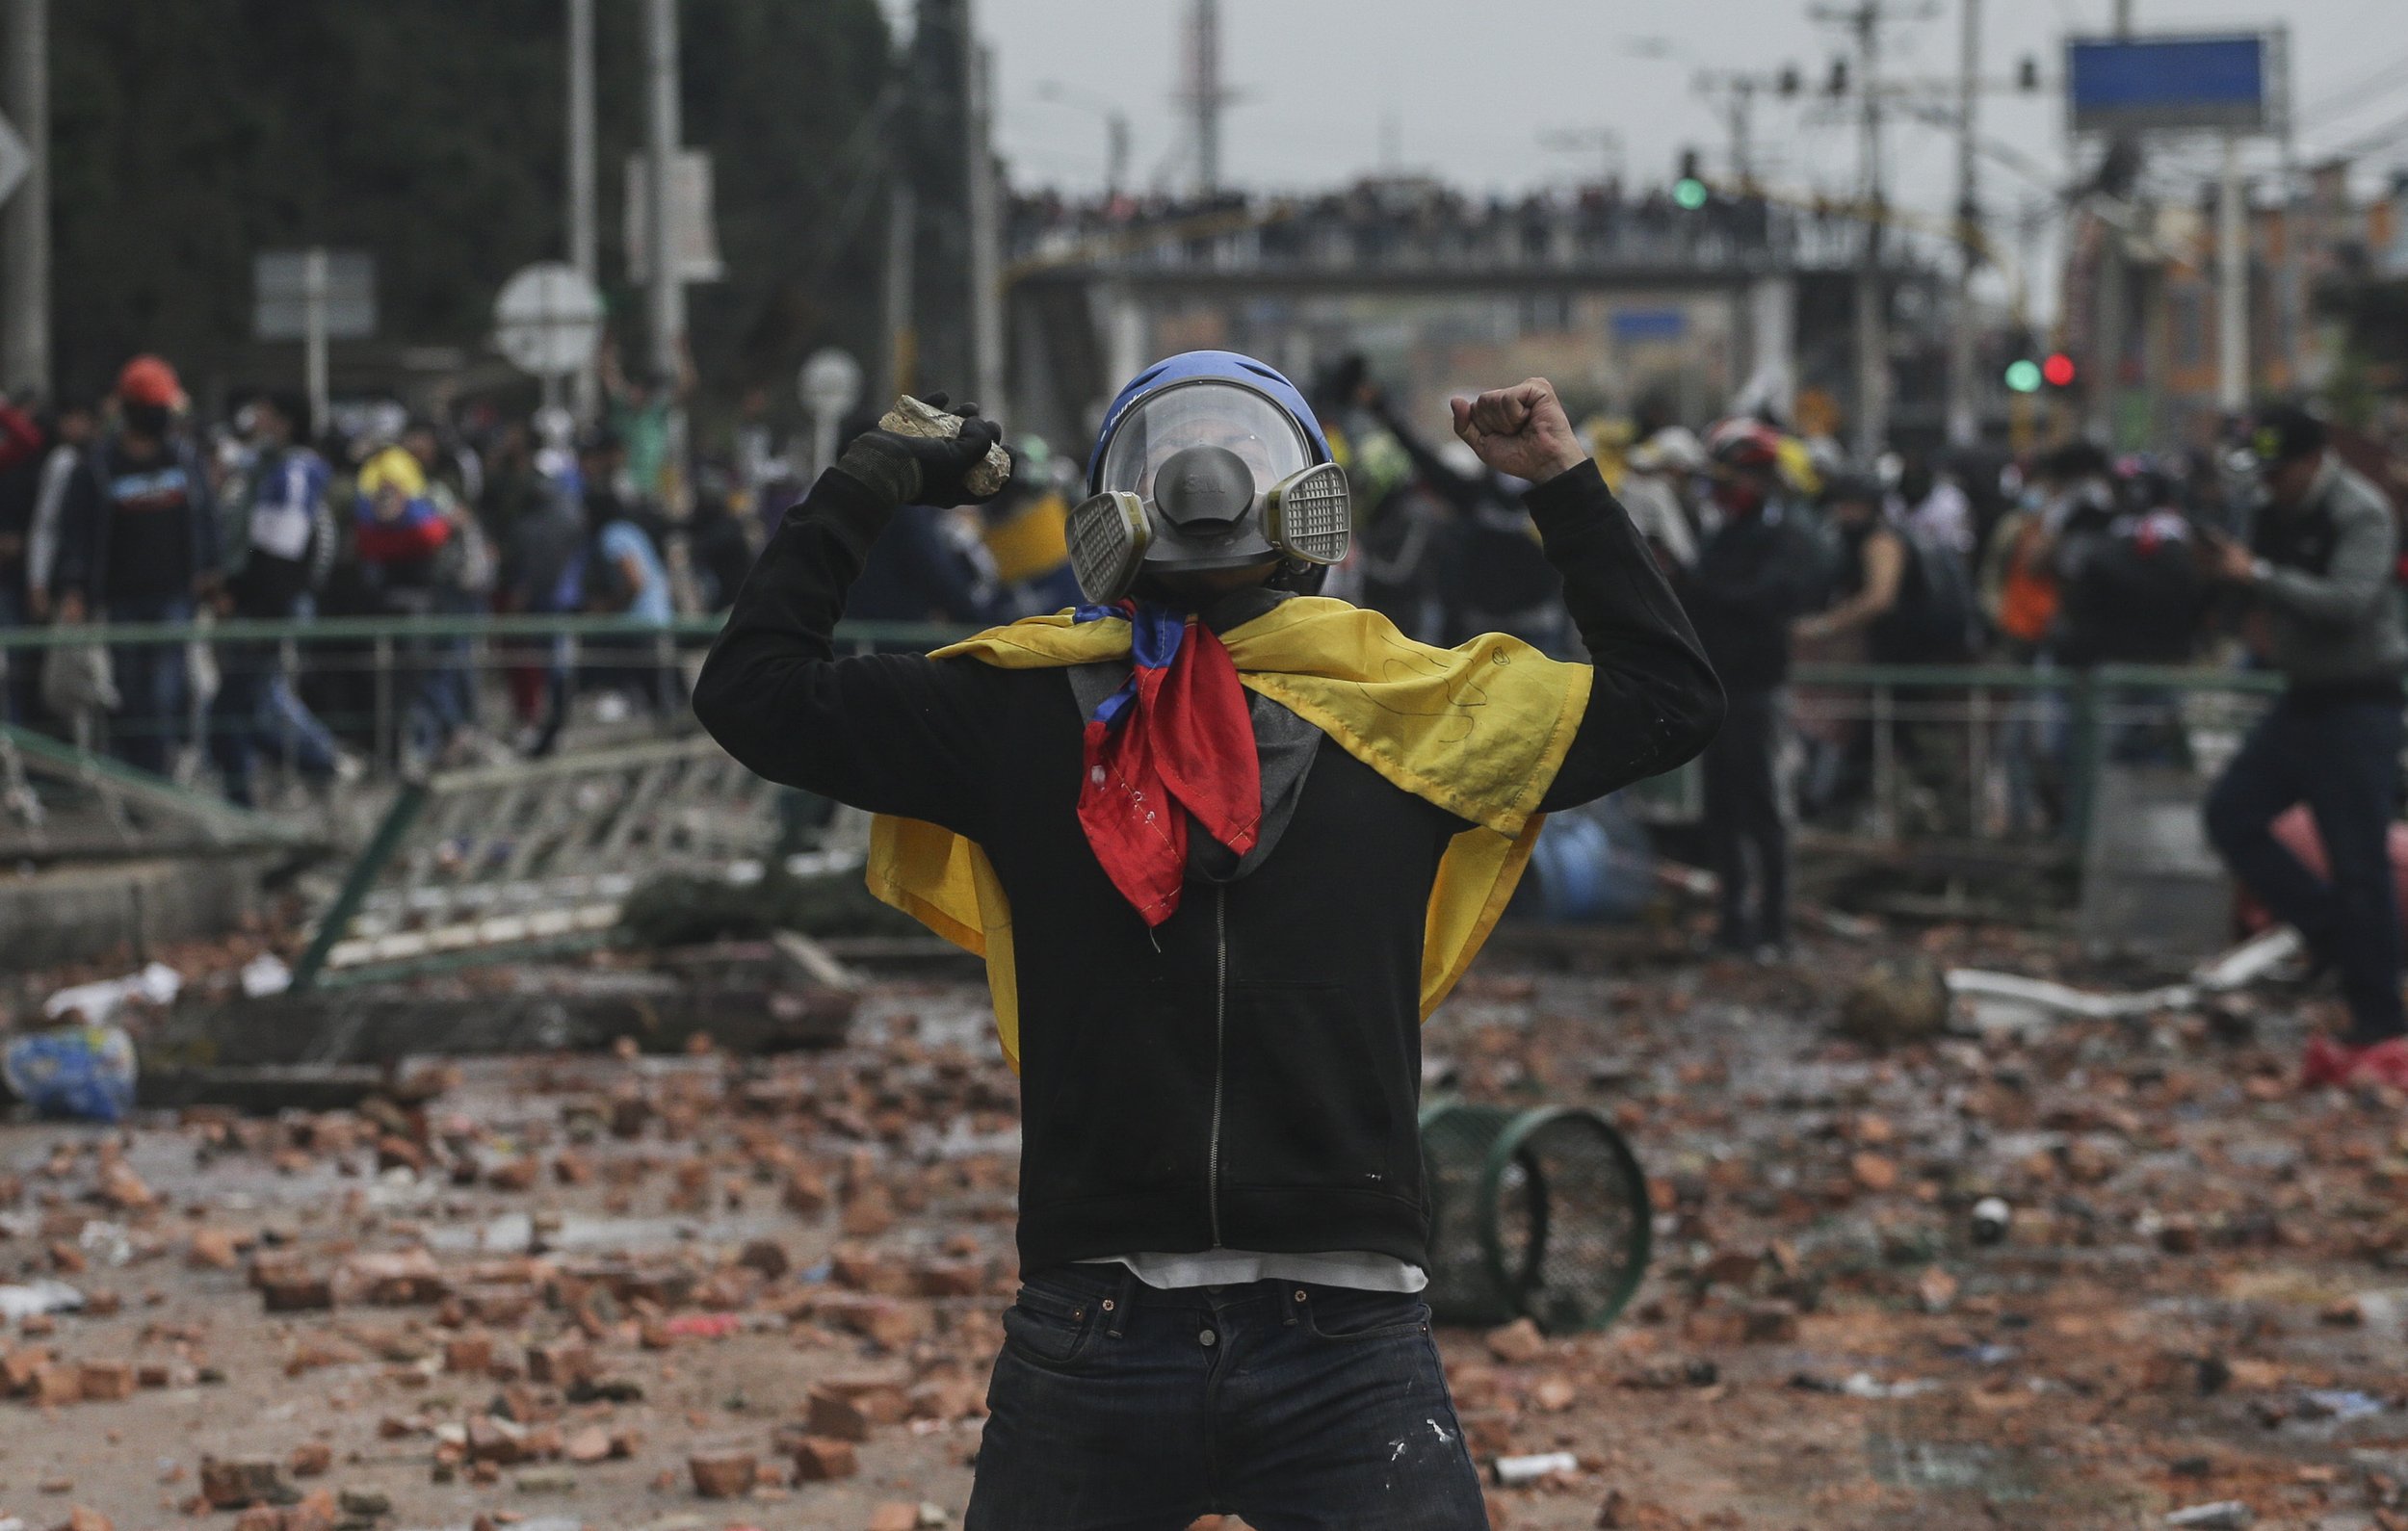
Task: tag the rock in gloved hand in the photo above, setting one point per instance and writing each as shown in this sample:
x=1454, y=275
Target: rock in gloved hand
x=922, y=454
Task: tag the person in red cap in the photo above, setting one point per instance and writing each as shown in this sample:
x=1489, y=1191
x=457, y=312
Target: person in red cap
x=139, y=543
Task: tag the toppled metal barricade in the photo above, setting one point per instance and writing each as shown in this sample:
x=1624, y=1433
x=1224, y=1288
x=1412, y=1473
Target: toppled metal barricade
x=478, y=865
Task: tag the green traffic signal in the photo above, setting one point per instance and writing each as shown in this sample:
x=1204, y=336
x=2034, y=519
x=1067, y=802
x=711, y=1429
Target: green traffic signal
x=1688, y=192
x=2024, y=376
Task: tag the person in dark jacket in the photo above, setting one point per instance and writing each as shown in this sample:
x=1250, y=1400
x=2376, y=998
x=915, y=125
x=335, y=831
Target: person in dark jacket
x=1755, y=576
x=281, y=543
x=1223, y=1227
x=138, y=543
x=2319, y=573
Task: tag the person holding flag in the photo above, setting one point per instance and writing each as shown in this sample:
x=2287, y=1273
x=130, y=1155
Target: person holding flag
x=1224, y=844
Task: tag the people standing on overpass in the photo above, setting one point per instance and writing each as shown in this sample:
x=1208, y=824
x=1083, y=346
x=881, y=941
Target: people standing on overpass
x=1223, y=845
x=2319, y=571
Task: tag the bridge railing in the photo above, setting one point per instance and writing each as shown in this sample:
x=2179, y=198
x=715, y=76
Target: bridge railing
x=1726, y=236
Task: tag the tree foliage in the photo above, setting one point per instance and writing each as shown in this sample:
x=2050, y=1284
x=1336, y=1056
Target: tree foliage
x=430, y=133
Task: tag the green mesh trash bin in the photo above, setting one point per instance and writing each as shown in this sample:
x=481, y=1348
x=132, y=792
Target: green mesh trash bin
x=1541, y=1212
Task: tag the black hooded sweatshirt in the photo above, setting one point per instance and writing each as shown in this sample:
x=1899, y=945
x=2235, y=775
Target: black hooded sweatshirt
x=1246, y=1074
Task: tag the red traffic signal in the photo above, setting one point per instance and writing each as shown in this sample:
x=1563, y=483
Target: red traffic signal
x=2059, y=370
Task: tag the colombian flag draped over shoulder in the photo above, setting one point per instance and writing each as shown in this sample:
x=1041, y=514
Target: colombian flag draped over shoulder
x=1479, y=730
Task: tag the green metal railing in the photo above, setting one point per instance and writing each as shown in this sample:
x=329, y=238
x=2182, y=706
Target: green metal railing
x=1977, y=706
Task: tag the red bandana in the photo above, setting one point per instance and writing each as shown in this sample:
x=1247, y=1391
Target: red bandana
x=1175, y=741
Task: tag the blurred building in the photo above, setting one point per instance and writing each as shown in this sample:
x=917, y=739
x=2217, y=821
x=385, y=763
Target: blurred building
x=2304, y=259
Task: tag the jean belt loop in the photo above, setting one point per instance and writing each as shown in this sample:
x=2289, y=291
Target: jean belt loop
x=1289, y=1293
x=1117, y=1307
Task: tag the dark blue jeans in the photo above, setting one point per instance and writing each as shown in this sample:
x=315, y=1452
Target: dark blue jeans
x=255, y=708
x=151, y=686
x=2342, y=759
x=1119, y=1406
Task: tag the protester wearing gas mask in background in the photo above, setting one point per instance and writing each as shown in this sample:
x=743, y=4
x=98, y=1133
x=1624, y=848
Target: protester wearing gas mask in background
x=2320, y=575
x=1223, y=845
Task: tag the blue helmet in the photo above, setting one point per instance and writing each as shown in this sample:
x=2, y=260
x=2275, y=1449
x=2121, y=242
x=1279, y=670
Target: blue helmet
x=1209, y=461
x=1226, y=366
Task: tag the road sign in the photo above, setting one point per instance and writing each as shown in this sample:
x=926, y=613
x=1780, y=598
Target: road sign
x=692, y=233
x=548, y=320
x=280, y=284
x=16, y=158
x=2172, y=83
x=830, y=382
x=830, y=385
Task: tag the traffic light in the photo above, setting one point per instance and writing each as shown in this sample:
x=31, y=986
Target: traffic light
x=2057, y=372
x=2023, y=376
x=2028, y=74
x=1688, y=192
x=1788, y=82
x=1837, y=85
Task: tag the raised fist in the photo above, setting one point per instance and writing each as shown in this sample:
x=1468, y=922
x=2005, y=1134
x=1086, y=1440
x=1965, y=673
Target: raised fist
x=1522, y=431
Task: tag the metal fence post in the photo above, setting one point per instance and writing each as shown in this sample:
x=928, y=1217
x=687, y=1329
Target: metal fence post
x=2086, y=757
x=381, y=725
x=1884, y=761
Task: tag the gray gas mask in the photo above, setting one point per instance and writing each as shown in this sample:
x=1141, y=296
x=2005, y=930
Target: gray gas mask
x=1205, y=474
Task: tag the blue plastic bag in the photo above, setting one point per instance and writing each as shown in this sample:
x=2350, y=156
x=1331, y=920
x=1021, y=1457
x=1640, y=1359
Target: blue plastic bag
x=83, y=1073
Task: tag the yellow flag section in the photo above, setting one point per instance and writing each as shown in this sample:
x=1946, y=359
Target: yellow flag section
x=1480, y=731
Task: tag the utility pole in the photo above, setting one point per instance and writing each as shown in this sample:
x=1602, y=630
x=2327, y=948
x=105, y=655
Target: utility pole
x=668, y=294
x=1742, y=113
x=314, y=333
x=25, y=219
x=903, y=338
x=2232, y=286
x=1872, y=331
x=1964, y=417
x=987, y=298
x=581, y=238
x=669, y=288
x=2108, y=375
x=1206, y=95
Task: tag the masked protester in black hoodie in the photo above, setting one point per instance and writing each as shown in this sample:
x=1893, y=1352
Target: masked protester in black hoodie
x=1206, y=819
x=1755, y=576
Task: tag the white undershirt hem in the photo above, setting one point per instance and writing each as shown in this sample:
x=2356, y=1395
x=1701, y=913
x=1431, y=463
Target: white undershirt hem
x=1357, y=1269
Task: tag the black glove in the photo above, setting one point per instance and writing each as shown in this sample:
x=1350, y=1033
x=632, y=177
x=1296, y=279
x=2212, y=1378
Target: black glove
x=923, y=469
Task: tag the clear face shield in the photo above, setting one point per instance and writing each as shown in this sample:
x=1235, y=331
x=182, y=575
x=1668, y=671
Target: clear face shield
x=1205, y=474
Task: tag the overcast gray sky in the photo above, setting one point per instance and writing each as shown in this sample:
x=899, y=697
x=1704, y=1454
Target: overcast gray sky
x=1466, y=88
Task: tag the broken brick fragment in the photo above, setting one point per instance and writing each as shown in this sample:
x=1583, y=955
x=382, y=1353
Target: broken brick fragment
x=561, y=1365
x=233, y=1482
x=836, y=1416
x=723, y=1474
x=294, y=1292
x=819, y=1460
x=1517, y=1343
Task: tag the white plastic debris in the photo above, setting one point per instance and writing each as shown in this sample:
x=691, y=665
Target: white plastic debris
x=158, y=983
x=1512, y=1470
x=2225, y=1515
x=106, y=1242
x=266, y=974
x=18, y=1303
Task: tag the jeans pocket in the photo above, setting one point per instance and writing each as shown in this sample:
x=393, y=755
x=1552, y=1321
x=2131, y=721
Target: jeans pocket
x=1343, y=1313
x=1050, y=1324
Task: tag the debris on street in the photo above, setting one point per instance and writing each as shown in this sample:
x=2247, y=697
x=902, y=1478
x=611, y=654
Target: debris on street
x=2110, y=1270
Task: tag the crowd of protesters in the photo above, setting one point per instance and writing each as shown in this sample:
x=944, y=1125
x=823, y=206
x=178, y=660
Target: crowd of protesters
x=2274, y=548
x=132, y=511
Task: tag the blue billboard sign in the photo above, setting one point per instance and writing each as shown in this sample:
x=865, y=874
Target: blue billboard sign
x=2170, y=83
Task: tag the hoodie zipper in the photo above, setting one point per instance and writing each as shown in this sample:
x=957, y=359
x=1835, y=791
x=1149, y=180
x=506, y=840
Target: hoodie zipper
x=1220, y=1036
